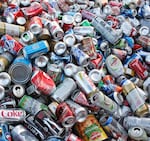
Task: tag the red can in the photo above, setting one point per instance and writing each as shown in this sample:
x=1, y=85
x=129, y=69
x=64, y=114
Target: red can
x=65, y=115
x=63, y=5
x=73, y=137
x=36, y=25
x=115, y=3
x=43, y=82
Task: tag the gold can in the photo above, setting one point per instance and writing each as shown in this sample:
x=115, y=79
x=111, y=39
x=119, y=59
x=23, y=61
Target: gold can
x=90, y=129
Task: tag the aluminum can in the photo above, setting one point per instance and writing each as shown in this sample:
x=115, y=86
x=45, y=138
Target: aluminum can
x=10, y=44
x=55, y=30
x=18, y=91
x=64, y=90
x=73, y=137
x=137, y=133
x=35, y=25
x=41, y=61
x=55, y=72
x=129, y=13
x=54, y=138
x=84, y=82
x=31, y=105
x=27, y=37
x=5, y=79
x=36, y=49
x=20, y=133
x=43, y=82
x=65, y=115
x=60, y=48
x=113, y=127
x=20, y=70
x=79, y=111
x=90, y=129
x=106, y=31
x=2, y=92
x=33, y=10
x=88, y=47
x=4, y=133
x=87, y=15
x=139, y=69
x=8, y=103
x=103, y=101
x=43, y=120
x=81, y=57
x=35, y=130
x=67, y=22
x=63, y=5
x=12, y=115
x=69, y=39
x=114, y=65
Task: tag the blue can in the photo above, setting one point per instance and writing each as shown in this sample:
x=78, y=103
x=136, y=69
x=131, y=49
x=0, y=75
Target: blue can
x=54, y=138
x=4, y=133
x=20, y=70
x=129, y=13
x=36, y=49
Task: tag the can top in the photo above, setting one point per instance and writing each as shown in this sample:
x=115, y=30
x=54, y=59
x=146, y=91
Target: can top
x=21, y=21
x=67, y=19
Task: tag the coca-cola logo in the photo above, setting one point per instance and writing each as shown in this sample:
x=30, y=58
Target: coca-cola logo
x=11, y=114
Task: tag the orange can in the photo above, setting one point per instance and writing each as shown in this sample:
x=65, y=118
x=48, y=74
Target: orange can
x=90, y=129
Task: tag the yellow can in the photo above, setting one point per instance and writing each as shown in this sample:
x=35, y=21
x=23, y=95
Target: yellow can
x=90, y=129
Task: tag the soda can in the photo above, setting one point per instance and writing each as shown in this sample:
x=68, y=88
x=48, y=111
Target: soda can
x=144, y=31
x=36, y=49
x=69, y=39
x=79, y=111
x=4, y=132
x=87, y=15
x=144, y=41
x=5, y=79
x=55, y=30
x=18, y=91
x=20, y=133
x=72, y=137
x=31, y=105
x=113, y=127
x=35, y=25
x=43, y=82
x=30, y=125
x=12, y=115
x=25, y=3
x=67, y=22
x=55, y=72
x=90, y=129
x=54, y=138
x=8, y=102
x=27, y=37
x=20, y=70
x=41, y=61
x=81, y=57
x=88, y=47
x=43, y=120
x=63, y=5
x=11, y=45
x=2, y=92
x=64, y=90
x=84, y=82
x=129, y=12
x=33, y=10
x=65, y=115
x=137, y=133
x=60, y=48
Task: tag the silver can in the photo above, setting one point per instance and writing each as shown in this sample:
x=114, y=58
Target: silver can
x=20, y=133
x=18, y=90
x=60, y=48
x=5, y=79
x=41, y=61
x=2, y=92
x=69, y=40
x=64, y=90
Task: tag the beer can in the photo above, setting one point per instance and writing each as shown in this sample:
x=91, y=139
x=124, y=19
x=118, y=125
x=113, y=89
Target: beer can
x=10, y=44
x=113, y=127
x=43, y=82
x=5, y=79
x=27, y=37
x=2, y=92
x=90, y=129
x=79, y=111
x=41, y=61
x=11, y=29
x=18, y=91
x=65, y=115
x=43, y=120
x=88, y=47
x=36, y=49
x=4, y=132
x=12, y=115
x=137, y=133
x=54, y=138
x=69, y=39
x=20, y=70
x=80, y=57
x=87, y=15
x=55, y=30
x=20, y=133
x=64, y=90
x=84, y=82
x=31, y=105
x=8, y=102
x=5, y=59
x=67, y=22
x=60, y=48
x=63, y=5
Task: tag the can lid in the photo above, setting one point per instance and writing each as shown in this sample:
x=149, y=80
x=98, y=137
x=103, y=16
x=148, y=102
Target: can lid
x=18, y=90
x=60, y=48
x=35, y=29
x=135, y=132
x=21, y=21
x=26, y=36
x=67, y=19
x=68, y=121
x=41, y=61
x=144, y=30
x=78, y=17
x=69, y=40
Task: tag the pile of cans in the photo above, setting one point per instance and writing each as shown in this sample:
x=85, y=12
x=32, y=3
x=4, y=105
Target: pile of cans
x=74, y=70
